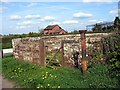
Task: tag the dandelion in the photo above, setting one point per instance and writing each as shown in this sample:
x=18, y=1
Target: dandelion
x=38, y=87
x=20, y=71
x=48, y=84
x=58, y=86
x=46, y=72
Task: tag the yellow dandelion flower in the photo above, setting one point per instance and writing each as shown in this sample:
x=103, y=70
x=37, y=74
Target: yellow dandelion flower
x=58, y=86
x=51, y=76
x=46, y=72
x=38, y=87
x=48, y=84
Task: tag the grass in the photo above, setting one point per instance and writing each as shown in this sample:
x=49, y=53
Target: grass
x=31, y=76
x=55, y=61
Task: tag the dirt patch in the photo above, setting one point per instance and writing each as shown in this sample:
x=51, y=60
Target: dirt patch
x=4, y=83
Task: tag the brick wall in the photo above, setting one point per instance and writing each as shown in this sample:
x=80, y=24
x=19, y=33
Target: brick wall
x=28, y=49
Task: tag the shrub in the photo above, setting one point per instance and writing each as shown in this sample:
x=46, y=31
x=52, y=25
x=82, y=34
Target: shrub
x=112, y=56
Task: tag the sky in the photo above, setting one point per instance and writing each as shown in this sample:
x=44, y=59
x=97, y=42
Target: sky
x=24, y=17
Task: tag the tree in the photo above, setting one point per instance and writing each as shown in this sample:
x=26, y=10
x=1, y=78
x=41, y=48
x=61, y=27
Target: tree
x=117, y=23
x=97, y=28
x=41, y=31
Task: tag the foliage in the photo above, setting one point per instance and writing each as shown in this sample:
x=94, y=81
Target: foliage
x=7, y=39
x=113, y=54
x=55, y=61
x=100, y=28
x=31, y=76
x=74, y=32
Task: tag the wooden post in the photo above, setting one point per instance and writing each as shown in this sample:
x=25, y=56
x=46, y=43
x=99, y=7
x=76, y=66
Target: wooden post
x=1, y=53
x=42, y=53
x=83, y=46
x=62, y=51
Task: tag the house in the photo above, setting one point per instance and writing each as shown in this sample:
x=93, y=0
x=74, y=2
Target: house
x=54, y=29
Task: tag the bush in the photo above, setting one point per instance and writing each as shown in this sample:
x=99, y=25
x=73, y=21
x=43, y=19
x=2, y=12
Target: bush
x=112, y=56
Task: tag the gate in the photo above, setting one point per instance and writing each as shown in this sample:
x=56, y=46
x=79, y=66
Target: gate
x=67, y=55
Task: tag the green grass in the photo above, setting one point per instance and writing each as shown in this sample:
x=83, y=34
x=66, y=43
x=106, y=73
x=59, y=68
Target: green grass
x=31, y=76
x=55, y=61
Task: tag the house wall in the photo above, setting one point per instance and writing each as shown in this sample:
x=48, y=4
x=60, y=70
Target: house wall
x=63, y=32
x=54, y=29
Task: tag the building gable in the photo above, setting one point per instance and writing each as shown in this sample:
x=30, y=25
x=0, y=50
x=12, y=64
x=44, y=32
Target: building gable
x=54, y=29
x=50, y=27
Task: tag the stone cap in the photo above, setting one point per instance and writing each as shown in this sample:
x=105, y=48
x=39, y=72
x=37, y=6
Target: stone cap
x=82, y=31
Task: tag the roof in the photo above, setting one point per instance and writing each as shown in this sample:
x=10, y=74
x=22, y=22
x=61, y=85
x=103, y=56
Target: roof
x=59, y=30
x=50, y=27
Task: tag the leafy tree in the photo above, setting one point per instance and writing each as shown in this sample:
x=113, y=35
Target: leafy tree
x=97, y=28
x=117, y=23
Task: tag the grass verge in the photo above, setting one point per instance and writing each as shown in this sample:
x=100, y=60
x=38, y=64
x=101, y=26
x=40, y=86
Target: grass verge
x=31, y=76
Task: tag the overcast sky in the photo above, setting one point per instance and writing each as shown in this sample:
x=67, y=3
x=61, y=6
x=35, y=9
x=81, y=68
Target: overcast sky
x=25, y=17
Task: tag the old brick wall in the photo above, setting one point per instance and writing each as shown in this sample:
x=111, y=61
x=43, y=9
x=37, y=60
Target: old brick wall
x=28, y=49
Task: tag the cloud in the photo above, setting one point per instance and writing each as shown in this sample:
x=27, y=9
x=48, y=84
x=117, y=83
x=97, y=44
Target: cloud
x=53, y=23
x=100, y=1
x=114, y=11
x=70, y=22
x=15, y=17
x=25, y=23
x=82, y=15
x=32, y=16
x=38, y=22
x=31, y=4
x=2, y=9
x=22, y=27
x=93, y=21
x=4, y=0
x=48, y=18
x=60, y=0
x=100, y=21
